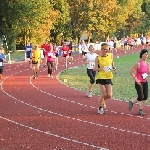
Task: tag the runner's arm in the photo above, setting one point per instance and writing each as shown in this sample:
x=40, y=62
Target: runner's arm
x=96, y=67
x=113, y=65
x=149, y=69
x=133, y=71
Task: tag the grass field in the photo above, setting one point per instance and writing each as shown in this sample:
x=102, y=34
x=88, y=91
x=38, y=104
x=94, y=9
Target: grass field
x=123, y=84
x=17, y=56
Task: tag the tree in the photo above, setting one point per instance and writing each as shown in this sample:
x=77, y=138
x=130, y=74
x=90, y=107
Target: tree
x=60, y=26
x=22, y=16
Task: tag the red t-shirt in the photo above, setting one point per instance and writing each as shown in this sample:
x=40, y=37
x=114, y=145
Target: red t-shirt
x=46, y=47
x=65, y=50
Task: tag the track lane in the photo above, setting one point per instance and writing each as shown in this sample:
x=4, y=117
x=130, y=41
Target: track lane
x=86, y=116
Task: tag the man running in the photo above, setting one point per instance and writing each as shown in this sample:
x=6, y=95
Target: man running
x=36, y=59
x=2, y=59
x=28, y=49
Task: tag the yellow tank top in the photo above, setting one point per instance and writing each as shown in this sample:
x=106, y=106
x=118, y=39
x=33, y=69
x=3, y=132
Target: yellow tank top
x=36, y=55
x=105, y=62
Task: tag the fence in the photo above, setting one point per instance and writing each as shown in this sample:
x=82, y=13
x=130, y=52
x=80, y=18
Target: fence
x=10, y=56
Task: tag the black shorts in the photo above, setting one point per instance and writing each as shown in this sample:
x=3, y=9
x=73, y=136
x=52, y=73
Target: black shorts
x=125, y=44
x=28, y=56
x=104, y=81
x=142, y=91
x=142, y=42
x=131, y=45
x=70, y=53
x=56, y=54
x=1, y=69
x=34, y=62
x=83, y=53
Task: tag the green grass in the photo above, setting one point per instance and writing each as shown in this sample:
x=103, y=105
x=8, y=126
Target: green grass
x=18, y=55
x=123, y=84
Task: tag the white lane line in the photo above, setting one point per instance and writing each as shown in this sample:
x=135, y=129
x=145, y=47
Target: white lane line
x=80, y=120
x=93, y=107
x=54, y=135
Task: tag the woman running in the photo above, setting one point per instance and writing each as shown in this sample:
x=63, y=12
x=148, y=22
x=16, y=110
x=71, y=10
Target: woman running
x=50, y=55
x=90, y=61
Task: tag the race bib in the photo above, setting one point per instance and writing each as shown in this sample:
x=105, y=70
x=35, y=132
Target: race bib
x=91, y=64
x=49, y=54
x=144, y=75
x=65, y=52
x=1, y=64
x=107, y=68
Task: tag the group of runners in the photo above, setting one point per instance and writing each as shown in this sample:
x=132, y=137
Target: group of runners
x=100, y=69
x=50, y=52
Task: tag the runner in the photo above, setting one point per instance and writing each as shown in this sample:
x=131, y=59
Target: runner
x=36, y=59
x=139, y=72
x=56, y=50
x=2, y=60
x=132, y=44
x=104, y=65
x=45, y=47
x=28, y=49
x=111, y=45
x=50, y=60
x=65, y=52
x=90, y=61
x=84, y=48
x=70, y=52
x=115, y=43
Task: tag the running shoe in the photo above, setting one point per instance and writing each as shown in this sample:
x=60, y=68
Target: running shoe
x=101, y=111
x=89, y=94
x=130, y=105
x=48, y=75
x=140, y=112
x=34, y=77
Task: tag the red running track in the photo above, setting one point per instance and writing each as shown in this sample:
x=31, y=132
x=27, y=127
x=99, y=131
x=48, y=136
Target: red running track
x=44, y=114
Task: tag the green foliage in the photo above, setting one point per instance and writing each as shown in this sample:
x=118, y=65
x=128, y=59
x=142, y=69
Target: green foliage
x=38, y=20
x=60, y=25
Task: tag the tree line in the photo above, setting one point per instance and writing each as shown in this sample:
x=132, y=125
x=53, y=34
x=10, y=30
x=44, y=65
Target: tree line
x=53, y=20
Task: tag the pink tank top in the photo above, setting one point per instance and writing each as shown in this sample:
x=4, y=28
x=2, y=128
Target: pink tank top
x=143, y=69
x=49, y=56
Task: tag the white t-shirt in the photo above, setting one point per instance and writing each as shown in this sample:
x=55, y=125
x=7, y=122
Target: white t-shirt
x=84, y=48
x=111, y=44
x=91, y=59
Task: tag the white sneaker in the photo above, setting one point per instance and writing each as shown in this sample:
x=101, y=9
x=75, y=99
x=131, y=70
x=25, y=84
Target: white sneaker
x=51, y=76
x=89, y=94
x=48, y=75
x=101, y=111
